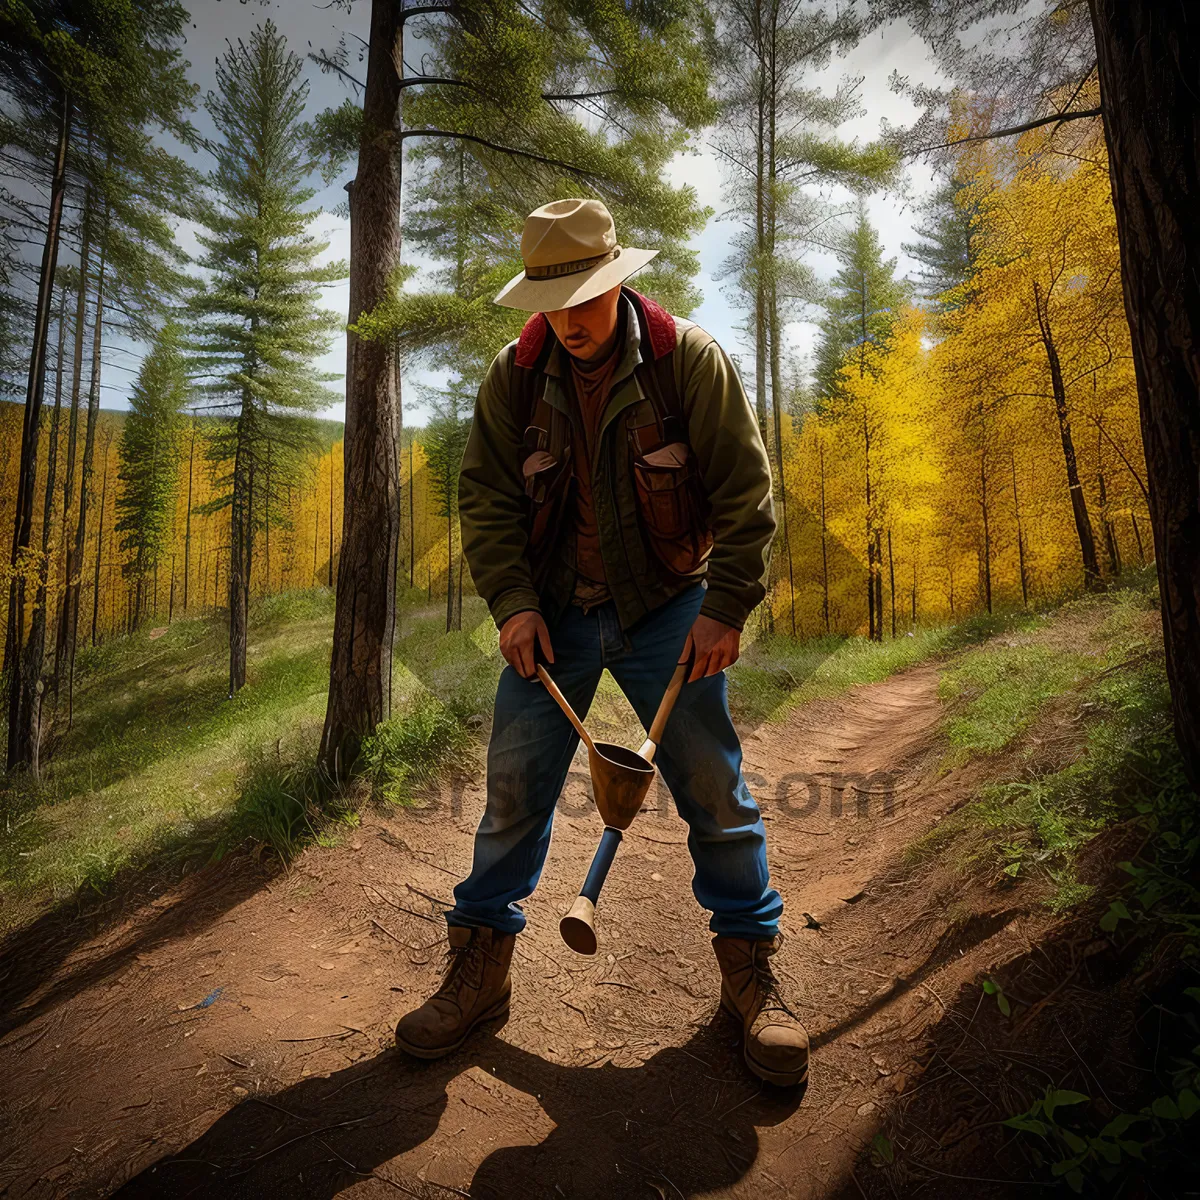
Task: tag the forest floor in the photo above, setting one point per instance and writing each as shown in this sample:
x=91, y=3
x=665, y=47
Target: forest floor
x=229, y=1034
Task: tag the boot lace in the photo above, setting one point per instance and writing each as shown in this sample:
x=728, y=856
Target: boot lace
x=467, y=961
x=771, y=997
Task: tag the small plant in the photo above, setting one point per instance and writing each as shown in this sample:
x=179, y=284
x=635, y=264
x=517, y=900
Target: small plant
x=992, y=988
x=413, y=749
x=282, y=804
x=1105, y=1155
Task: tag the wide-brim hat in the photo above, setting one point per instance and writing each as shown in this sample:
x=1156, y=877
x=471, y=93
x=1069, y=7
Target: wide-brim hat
x=570, y=252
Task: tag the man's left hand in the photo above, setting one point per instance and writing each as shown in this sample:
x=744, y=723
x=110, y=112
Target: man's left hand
x=716, y=647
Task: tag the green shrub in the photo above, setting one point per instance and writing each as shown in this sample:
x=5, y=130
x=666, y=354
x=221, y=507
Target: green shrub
x=412, y=749
x=284, y=803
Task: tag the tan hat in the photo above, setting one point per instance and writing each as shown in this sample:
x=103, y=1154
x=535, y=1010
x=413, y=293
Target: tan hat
x=571, y=255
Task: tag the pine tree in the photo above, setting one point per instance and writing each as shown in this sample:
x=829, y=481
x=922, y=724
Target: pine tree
x=259, y=321
x=776, y=138
x=865, y=299
x=945, y=249
x=445, y=439
x=553, y=91
x=149, y=462
x=864, y=304
x=82, y=81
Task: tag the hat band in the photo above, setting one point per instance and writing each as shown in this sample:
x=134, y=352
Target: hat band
x=554, y=270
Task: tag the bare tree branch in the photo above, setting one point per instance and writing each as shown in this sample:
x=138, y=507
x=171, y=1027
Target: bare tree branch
x=999, y=133
x=469, y=137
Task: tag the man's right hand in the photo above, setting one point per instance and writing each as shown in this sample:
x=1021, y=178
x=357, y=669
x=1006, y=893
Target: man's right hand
x=519, y=636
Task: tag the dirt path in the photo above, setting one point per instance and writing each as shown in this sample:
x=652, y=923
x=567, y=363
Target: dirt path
x=229, y=1038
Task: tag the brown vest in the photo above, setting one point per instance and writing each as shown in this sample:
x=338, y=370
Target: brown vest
x=672, y=506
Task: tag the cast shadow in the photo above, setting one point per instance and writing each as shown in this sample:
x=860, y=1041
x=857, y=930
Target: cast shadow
x=683, y=1123
x=41, y=965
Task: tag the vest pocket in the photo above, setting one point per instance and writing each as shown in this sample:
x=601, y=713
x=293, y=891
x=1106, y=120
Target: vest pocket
x=546, y=477
x=671, y=507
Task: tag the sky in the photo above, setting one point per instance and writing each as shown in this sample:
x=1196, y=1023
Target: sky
x=310, y=26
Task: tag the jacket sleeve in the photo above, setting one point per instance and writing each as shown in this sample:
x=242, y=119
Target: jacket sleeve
x=736, y=474
x=491, y=501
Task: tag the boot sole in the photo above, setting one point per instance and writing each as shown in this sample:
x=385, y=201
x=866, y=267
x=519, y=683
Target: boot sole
x=778, y=1078
x=500, y=1008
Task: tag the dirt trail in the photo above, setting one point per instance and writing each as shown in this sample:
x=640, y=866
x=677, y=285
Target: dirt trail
x=229, y=1038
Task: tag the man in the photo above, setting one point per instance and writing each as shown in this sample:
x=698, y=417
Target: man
x=615, y=499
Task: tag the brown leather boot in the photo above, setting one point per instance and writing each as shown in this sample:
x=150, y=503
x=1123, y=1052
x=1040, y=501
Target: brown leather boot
x=476, y=988
x=776, y=1046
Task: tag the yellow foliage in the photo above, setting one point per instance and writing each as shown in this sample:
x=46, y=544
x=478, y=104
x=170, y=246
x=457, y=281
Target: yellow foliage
x=954, y=449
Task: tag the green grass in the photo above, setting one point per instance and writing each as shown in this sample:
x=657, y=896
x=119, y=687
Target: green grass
x=161, y=766
x=1000, y=691
x=995, y=692
x=774, y=675
x=1099, y=660
x=284, y=803
x=412, y=750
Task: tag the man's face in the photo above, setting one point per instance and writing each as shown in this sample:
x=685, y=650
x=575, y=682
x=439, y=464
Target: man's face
x=584, y=328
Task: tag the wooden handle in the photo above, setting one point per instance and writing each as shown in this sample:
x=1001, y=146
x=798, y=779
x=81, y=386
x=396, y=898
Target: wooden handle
x=668, y=700
x=552, y=688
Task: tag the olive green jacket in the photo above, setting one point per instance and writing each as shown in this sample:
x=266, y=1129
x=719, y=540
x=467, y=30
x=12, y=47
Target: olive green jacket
x=733, y=467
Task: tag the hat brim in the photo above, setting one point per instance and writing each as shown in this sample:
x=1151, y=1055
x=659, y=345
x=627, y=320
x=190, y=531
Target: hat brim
x=565, y=291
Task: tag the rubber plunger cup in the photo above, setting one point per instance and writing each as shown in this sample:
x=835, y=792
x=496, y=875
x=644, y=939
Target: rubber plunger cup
x=620, y=777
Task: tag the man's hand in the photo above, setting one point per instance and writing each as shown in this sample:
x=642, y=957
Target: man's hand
x=716, y=646
x=518, y=637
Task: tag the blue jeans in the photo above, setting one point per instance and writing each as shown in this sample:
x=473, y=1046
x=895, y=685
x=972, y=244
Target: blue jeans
x=700, y=759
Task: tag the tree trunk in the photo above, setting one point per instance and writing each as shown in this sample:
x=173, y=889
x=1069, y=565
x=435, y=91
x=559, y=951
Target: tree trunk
x=1137, y=537
x=360, y=676
x=35, y=646
x=1147, y=52
x=99, y=546
x=1110, y=537
x=874, y=618
x=412, y=520
x=22, y=715
x=824, y=547
x=332, y=462
x=62, y=639
x=1020, y=535
x=987, y=525
x=449, y=565
x=187, y=534
x=267, y=528
x=878, y=585
x=458, y=601
x=1083, y=523
x=760, y=298
x=892, y=583
x=776, y=336
x=71, y=598
x=239, y=550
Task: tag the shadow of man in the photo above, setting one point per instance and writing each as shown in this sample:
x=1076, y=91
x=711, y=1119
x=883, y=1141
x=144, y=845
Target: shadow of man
x=684, y=1122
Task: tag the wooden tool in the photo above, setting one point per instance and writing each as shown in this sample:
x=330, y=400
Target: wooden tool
x=620, y=781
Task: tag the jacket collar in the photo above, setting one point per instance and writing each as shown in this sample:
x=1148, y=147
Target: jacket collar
x=660, y=325
x=557, y=363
